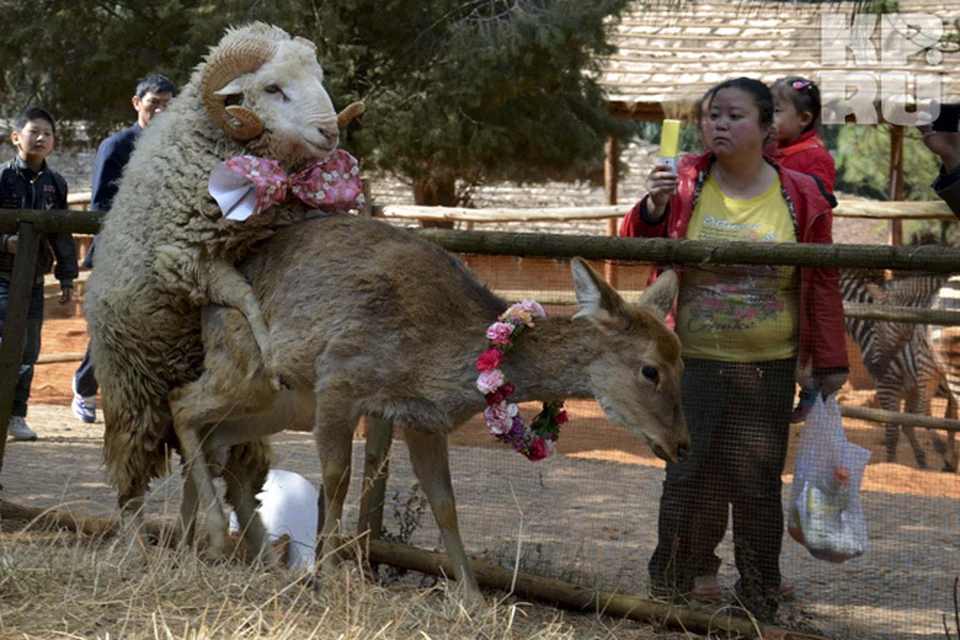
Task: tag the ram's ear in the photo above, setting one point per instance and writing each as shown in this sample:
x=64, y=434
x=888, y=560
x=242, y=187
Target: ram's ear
x=232, y=89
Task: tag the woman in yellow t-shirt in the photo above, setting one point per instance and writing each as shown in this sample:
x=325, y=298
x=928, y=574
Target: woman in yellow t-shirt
x=743, y=329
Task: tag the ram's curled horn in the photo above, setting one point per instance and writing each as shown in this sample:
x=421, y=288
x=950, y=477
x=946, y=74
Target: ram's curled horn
x=350, y=112
x=231, y=62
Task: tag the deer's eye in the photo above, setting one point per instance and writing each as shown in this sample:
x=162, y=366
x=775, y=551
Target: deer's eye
x=650, y=373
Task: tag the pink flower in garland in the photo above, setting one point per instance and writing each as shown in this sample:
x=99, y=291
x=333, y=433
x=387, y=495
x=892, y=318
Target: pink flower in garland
x=538, y=450
x=489, y=359
x=489, y=381
x=500, y=416
x=534, y=308
x=499, y=333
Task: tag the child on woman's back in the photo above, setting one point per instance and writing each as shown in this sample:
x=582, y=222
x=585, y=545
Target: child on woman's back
x=797, y=145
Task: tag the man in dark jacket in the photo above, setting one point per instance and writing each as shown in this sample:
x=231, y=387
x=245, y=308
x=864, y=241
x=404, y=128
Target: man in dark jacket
x=27, y=182
x=152, y=95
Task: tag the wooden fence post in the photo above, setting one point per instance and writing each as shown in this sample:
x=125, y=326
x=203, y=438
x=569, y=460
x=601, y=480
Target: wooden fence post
x=15, y=322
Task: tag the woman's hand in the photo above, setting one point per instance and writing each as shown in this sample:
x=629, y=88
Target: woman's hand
x=829, y=383
x=661, y=184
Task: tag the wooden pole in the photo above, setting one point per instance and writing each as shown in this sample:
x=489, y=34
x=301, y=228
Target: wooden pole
x=896, y=179
x=611, y=179
x=15, y=322
x=908, y=419
x=610, y=185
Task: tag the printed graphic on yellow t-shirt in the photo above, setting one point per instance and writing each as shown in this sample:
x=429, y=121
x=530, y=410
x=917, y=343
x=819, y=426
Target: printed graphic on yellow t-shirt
x=740, y=313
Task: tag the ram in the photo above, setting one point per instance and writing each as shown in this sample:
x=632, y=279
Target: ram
x=167, y=247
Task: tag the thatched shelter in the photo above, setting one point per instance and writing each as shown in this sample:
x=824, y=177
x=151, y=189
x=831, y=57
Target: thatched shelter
x=671, y=53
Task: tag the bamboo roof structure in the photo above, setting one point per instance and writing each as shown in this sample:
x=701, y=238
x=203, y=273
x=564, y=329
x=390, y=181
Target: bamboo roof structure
x=670, y=54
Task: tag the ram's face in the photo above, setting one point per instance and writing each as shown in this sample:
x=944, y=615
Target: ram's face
x=287, y=94
x=265, y=90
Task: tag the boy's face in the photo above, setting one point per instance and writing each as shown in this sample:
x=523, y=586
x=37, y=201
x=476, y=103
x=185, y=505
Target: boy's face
x=34, y=142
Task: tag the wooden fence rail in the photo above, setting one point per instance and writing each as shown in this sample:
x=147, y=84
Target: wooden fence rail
x=847, y=208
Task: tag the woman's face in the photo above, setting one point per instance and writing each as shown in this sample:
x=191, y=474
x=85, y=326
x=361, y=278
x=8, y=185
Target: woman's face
x=733, y=125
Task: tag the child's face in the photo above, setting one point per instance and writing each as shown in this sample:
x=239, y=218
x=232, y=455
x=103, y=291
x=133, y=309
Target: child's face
x=34, y=142
x=790, y=123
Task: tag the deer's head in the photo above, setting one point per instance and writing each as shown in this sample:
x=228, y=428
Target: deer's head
x=636, y=374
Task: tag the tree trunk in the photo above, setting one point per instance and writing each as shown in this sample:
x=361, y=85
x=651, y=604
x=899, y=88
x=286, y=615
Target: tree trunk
x=436, y=193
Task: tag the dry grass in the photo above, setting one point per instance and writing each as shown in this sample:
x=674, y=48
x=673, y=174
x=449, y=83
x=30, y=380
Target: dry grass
x=61, y=585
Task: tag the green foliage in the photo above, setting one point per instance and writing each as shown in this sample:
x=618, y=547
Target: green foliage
x=863, y=163
x=457, y=93
x=473, y=92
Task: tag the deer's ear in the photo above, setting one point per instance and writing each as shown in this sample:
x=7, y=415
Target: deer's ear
x=661, y=294
x=598, y=301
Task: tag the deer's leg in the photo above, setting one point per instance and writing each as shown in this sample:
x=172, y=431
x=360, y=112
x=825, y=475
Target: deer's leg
x=429, y=457
x=189, y=502
x=228, y=288
x=245, y=474
x=333, y=433
x=191, y=405
x=198, y=473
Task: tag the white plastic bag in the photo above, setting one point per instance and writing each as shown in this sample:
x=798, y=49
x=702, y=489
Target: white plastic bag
x=826, y=514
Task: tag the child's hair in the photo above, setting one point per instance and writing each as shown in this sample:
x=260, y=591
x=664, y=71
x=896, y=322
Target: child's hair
x=33, y=113
x=758, y=91
x=803, y=94
x=155, y=83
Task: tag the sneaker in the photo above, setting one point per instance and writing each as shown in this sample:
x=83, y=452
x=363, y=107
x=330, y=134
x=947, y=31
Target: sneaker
x=17, y=429
x=84, y=408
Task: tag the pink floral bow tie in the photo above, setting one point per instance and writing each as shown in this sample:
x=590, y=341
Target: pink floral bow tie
x=246, y=186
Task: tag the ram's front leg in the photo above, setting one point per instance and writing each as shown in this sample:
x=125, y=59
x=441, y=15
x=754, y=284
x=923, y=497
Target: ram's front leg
x=226, y=287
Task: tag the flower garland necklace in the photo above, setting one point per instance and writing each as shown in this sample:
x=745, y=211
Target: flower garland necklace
x=538, y=440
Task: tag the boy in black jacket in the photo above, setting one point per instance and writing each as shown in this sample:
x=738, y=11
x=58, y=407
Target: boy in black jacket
x=26, y=182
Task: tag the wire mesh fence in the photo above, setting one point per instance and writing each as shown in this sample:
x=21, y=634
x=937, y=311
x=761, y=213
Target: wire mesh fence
x=590, y=514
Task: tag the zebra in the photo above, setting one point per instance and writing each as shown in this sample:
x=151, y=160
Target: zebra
x=900, y=357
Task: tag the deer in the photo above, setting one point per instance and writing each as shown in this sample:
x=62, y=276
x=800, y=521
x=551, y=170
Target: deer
x=370, y=319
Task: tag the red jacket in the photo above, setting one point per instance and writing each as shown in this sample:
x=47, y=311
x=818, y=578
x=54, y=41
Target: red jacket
x=821, y=306
x=807, y=154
